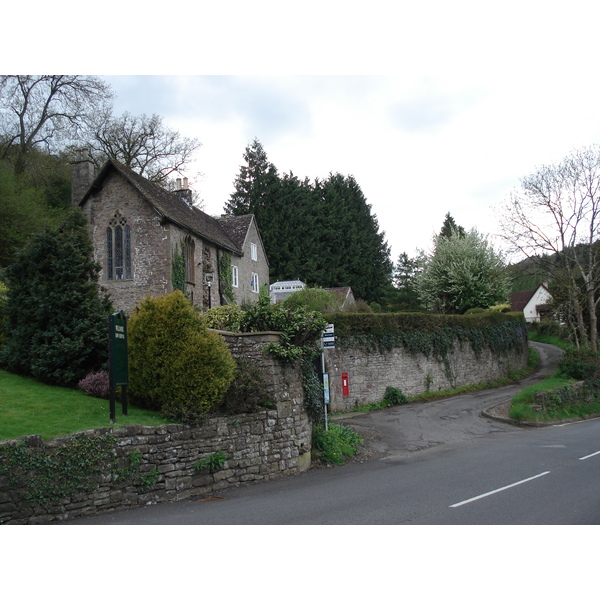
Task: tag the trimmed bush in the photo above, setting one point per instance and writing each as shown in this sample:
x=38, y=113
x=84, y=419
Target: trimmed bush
x=315, y=298
x=176, y=365
x=96, y=384
x=225, y=318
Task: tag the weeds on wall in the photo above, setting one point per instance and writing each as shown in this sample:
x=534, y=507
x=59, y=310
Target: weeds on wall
x=46, y=477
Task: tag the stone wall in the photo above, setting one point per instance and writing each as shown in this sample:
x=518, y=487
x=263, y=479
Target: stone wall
x=369, y=373
x=257, y=446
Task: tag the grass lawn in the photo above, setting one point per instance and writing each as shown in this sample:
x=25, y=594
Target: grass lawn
x=29, y=407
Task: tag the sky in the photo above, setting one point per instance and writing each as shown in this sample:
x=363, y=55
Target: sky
x=434, y=107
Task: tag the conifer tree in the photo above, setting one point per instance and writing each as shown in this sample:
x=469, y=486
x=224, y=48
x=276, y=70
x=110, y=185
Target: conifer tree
x=56, y=320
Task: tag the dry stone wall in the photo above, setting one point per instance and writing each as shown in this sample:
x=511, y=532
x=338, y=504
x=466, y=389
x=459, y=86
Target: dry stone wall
x=368, y=373
x=257, y=446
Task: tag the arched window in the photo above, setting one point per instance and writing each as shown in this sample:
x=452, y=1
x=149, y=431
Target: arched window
x=118, y=249
x=190, y=249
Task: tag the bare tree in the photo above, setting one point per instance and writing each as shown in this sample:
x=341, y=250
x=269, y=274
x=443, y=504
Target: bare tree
x=46, y=110
x=143, y=144
x=557, y=212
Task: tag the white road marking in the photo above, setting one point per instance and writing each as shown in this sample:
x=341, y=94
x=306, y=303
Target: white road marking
x=506, y=487
x=590, y=455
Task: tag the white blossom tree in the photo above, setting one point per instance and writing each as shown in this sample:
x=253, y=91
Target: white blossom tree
x=463, y=271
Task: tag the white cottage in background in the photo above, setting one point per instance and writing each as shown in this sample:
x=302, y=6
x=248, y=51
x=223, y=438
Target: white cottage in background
x=534, y=303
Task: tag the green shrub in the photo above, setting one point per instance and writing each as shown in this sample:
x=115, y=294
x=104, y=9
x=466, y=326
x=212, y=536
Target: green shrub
x=580, y=364
x=336, y=444
x=3, y=298
x=225, y=318
x=56, y=320
x=393, y=397
x=176, y=365
x=313, y=299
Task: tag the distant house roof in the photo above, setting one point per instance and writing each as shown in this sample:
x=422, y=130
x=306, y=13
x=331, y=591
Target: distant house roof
x=519, y=300
x=282, y=289
x=171, y=207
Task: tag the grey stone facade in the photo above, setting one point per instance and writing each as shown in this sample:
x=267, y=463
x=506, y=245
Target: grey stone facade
x=160, y=225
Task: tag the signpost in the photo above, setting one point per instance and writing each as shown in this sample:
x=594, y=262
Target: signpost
x=327, y=341
x=118, y=367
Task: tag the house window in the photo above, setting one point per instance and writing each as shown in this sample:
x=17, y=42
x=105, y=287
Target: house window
x=254, y=282
x=234, y=276
x=118, y=249
x=190, y=249
x=253, y=252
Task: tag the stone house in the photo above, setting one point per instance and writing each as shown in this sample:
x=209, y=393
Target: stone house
x=150, y=241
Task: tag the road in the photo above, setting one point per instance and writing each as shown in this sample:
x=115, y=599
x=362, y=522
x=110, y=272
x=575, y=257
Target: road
x=432, y=463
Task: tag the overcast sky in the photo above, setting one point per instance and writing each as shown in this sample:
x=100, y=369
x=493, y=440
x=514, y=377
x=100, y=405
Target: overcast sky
x=433, y=107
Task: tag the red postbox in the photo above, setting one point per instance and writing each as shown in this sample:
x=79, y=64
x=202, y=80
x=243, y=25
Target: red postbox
x=345, y=388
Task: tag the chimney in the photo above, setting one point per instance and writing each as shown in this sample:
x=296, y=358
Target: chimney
x=184, y=192
x=82, y=176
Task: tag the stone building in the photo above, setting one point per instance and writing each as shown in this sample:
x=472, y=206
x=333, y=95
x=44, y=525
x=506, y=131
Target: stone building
x=150, y=241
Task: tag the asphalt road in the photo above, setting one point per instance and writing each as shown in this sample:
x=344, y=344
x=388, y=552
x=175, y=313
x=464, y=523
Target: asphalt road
x=433, y=463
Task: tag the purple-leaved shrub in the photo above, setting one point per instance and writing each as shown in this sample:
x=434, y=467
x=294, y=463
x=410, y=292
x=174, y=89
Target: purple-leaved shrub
x=96, y=384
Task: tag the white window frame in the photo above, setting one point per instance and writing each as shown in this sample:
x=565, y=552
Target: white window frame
x=234, y=276
x=253, y=251
x=255, y=286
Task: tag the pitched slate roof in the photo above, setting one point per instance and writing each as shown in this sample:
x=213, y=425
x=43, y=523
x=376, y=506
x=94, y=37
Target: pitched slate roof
x=169, y=206
x=236, y=228
x=518, y=300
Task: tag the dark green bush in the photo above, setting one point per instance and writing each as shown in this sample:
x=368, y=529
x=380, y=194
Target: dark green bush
x=56, y=320
x=393, y=396
x=580, y=364
x=176, y=365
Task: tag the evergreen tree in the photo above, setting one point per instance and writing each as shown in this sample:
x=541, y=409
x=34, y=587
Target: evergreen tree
x=255, y=185
x=56, y=319
x=450, y=228
x=322, y=233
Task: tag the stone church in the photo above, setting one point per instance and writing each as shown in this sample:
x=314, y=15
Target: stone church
x=150, y=241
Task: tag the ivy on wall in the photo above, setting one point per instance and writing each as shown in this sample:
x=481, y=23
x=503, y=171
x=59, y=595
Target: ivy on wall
x=178, y=270
x=500, y=336
x=226, y=277
x=46, y=476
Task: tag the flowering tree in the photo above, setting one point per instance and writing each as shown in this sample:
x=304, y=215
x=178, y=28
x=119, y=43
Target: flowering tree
x=464, y=271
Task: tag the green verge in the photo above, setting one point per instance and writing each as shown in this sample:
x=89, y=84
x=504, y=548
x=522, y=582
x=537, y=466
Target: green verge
x=28, y=407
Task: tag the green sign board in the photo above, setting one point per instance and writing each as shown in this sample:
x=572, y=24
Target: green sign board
x=117, y=335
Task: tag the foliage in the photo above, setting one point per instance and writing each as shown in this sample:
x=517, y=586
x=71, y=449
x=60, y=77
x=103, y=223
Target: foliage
x=43, y=111
x=3, y=299
x=580, y=363
x=300, y=328
x=323, y=232
x=393, y=396
x=336, y=443
x=176, y=365
x=225, y=318
x=556, y=214
x=57, y=321
x=212, y=462
x=178, y=270
x=96, y=384
x=313, y=299
x=313, y=389
x=428, y=334
x=248, y=391
x=50, y=476
x=226, y=277
x=462, y=272
x=141, y=143
x=23, y=213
